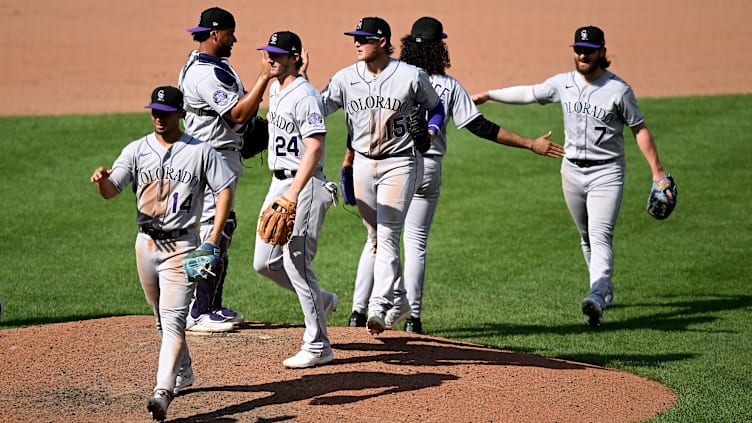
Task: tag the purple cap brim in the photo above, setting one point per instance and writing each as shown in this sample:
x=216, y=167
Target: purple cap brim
x=272, y=49
x=583, y=44
x=198, y=29
x=354, y=33
x=162, y=107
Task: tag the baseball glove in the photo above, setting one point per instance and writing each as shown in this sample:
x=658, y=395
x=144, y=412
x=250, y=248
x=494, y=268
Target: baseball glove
x=662, y=198
x=418, y=128
x=348, y=190
x=277, y=222
x=201, y=263
x=255, y=139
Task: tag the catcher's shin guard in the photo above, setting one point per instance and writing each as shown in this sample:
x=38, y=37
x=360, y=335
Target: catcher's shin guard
x=223, y=264
x=202, y=297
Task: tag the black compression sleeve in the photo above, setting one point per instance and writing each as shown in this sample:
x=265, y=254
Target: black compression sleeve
x=483, y=128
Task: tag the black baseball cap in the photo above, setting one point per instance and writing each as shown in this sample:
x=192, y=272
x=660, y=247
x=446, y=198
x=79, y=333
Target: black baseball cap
x=427, y=29
x=214, y=18
x=167, y=98
x=372, y=27
x=589, y=36
x=283, y=42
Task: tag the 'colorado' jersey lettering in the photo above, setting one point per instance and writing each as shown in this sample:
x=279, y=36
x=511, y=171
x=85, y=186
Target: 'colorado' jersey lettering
x=377, y=107
x=594, y=113
x=169, y=183
x=295, y=113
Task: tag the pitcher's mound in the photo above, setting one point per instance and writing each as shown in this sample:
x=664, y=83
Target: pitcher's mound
x=103, y=370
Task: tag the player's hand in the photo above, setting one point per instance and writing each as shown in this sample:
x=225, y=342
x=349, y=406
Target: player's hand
x=265, y=72
x=100, y=174
x=480, y=98
x=544, y=147
x=304, y=57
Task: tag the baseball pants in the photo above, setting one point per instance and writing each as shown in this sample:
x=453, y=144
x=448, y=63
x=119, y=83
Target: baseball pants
x=168, y=292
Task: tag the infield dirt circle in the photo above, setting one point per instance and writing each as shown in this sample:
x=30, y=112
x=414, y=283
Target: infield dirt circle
x=91, y=56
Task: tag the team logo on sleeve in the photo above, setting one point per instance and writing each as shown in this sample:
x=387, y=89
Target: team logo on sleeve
x=315, y=119
x=220, y=98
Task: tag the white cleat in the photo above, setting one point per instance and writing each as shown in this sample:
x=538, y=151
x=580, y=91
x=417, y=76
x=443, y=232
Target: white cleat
x=397, y=314
x=304, y=359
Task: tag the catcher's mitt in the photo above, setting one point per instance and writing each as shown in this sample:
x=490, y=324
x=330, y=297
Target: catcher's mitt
x=662, y=198
x=255, y=139
x=418, y=128
x=201, y=263
x=348, y=189
x=277, y=222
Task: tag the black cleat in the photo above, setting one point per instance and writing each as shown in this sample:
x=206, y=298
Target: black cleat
x=593, y=311
x=413, y=325
x=357, y=320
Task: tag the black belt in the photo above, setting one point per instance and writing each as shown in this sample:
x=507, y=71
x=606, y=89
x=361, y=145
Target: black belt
x=284, y=173
x=200, y=112
x=590, y=163
x=408, y=153
x=162, y=235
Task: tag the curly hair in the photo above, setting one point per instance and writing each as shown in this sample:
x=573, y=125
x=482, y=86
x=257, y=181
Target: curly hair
x=432, y=57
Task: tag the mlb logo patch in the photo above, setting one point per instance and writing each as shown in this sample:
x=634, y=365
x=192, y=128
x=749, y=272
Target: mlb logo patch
x=220, y=98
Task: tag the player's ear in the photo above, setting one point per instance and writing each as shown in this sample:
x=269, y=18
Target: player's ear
x=181, y=113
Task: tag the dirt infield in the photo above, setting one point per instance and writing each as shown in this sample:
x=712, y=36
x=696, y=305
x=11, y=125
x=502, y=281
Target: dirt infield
x=89, y=56
x=102, y=370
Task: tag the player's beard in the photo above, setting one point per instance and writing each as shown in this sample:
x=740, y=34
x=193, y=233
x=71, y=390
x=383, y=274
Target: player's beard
x=224, y=50
x=587, y=67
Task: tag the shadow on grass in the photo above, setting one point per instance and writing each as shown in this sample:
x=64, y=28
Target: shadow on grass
x=680, y=316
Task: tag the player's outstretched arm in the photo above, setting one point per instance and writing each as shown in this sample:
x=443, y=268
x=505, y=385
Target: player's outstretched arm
x=540, y=145
x=105, y=187
x=520, y=94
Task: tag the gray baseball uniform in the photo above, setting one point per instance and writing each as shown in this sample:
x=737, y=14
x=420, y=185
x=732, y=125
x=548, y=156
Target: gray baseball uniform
x=460, y=107
x=594, y=170
x=212, y=88
x=169, y=184
x=296, y=113
x=386, y=166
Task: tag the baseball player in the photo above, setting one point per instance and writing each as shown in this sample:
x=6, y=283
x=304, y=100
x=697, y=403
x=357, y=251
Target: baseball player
x=296, y=158
x=377, y=94
x=425, y=48
x=169, y=171
x=219, y=111
x=596, y=105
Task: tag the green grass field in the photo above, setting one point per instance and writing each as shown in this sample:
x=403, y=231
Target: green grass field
x=511, y=276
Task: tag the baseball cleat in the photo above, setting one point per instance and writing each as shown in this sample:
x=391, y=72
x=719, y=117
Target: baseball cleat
x=230, y=315
x=357, y=320
x=397, y=314
x=375, y=323
x=331, y=306
x=593, y=310
x=304, y=359
x=413, y=325
x=209, y=323
x=157, y=405
x=184, y=379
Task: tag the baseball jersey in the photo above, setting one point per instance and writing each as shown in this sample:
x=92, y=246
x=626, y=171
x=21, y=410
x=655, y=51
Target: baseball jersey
x=295, y=113
x=377, y=107
x=594, y=113
x=211, y=88
x=457, y=104
x=169, y=183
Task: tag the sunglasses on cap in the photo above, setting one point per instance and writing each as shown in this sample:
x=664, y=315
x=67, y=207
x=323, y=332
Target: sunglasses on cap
x=587, y=51
x=364, y=39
